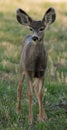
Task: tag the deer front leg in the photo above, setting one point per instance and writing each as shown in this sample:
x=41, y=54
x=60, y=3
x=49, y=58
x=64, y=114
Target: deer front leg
x=19, y=91
x=38, y=87
x=30, y=101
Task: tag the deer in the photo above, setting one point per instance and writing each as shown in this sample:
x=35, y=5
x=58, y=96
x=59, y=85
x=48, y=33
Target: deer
x=33, y=59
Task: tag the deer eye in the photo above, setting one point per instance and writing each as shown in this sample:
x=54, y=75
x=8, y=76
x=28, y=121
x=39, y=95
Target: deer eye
x=31, y=29
x=41, y=29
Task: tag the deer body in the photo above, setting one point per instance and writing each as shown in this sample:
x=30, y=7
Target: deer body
x=33, y=60
x=34, y=57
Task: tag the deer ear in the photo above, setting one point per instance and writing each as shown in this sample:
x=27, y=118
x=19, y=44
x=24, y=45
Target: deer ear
x=23, y=18
x=49, y=16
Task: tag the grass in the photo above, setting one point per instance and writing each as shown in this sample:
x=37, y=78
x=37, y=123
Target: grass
x=55, y=90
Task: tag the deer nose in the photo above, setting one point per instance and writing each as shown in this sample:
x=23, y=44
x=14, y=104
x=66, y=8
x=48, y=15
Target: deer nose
x=35, y=38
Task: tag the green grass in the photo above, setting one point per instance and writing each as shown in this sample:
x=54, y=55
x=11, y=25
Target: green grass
x=55, y=84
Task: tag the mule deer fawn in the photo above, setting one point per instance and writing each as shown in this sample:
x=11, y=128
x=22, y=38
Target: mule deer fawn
x=33, y=60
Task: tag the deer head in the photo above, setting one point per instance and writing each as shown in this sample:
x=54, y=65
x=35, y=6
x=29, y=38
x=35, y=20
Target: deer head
x=37, y=27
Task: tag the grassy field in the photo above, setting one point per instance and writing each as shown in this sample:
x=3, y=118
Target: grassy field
x=55, y=85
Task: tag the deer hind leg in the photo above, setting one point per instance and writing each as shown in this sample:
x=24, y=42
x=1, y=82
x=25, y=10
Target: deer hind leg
x=19, y=91
x=38, y=87
x=30, y=100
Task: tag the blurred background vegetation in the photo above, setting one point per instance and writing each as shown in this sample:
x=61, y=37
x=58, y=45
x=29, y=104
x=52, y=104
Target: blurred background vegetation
x=55, y=90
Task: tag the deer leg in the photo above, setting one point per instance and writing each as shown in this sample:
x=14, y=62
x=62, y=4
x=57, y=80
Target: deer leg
x=30, y=100
x=19, y=91
x=38, y=86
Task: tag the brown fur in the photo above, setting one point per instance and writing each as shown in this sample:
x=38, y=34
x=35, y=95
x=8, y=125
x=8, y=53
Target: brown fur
x=33, y=61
